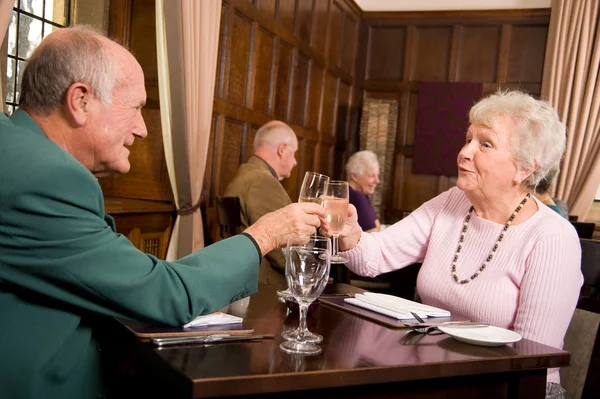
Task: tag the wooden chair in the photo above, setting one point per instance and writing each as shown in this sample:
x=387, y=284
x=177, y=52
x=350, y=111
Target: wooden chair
x=230, y=220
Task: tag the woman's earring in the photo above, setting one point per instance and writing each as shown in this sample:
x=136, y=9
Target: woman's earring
x=516, y=182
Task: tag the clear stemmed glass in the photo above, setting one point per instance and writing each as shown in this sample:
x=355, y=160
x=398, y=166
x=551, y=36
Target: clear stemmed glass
x=313, y=188
x=336, y=207
x=306, y=272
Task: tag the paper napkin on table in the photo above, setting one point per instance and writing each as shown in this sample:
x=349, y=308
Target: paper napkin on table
x=394, y=306
x=214, y=319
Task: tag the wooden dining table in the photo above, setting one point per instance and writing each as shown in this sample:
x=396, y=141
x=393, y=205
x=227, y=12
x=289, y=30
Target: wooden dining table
x=360, y=358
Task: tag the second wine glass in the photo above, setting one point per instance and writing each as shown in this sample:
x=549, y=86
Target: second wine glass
x=313, y=188
x=336, y=207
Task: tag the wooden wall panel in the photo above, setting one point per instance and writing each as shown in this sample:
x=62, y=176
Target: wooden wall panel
x=286, y=14
x=478, y=53
x=314, y=95
x=284, y=59
x=305, y=18
x=498, y=48
x=432, y=54
x=335, y=26
x=300, y=87
x=263, y=55
x=282, y=83
x=238, y=59
x=385, y=53
x=348, y=43
x=525, y=55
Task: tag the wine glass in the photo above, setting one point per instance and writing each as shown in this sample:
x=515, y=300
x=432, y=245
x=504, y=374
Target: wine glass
x=336, y=207
x=313, y=188
x=306, y=272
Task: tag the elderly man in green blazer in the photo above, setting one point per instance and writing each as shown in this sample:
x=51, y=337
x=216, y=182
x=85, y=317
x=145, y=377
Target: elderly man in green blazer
x=61, y=262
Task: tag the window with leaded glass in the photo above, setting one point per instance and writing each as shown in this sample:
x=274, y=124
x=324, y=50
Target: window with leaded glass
x=31, y=21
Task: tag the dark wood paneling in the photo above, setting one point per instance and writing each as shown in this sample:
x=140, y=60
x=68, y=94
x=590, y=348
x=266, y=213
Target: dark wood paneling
x=525, y=55
x=335, y=29
x=265, y=44
x=319, y=29
x=305, y=18
x=230, y=152
x=286, y=14
x=478, y=53
x=238, y=59
x=300, y=88
x=314, y=95
x=343, y=113
x=282, y=83
x=385, y=53
x=498, y=48
x=349, y=43
x=267, y=8
x=329, y=101
x=432, y=54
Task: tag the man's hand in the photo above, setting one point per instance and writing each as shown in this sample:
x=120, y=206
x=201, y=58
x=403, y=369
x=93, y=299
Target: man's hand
x=273, y=229
x=351, y=232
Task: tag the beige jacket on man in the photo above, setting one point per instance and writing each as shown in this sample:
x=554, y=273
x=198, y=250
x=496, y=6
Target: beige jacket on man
x=260, y=192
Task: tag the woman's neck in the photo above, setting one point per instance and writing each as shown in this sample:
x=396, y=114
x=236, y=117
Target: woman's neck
x=500, y=209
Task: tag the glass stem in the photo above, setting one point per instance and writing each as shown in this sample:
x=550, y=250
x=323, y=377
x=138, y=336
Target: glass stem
x=302, y=327
x=335, y=246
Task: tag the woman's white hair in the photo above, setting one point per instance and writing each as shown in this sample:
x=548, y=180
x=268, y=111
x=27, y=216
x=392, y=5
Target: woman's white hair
x=77, y=56
x=361, y=162
x=539, y=137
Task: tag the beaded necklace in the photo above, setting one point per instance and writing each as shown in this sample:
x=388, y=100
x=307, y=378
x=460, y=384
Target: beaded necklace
x=492, y=252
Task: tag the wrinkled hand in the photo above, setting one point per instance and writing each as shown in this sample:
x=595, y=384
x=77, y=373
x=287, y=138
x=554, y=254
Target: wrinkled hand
x=273, y=229
x=351, y=232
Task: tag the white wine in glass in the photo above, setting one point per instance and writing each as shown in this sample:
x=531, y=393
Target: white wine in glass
x=336, y=208
x=313, y=188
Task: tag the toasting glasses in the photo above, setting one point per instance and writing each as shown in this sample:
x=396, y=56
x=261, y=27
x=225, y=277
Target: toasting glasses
x=336, y=207
x=306, y=271
x=313, y=188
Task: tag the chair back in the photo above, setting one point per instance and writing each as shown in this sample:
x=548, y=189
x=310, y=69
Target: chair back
x=584, y=229
x=590, y=268
x=582, y=342
x=229, y=214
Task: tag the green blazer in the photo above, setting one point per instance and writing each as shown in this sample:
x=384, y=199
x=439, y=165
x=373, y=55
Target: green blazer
x=61, y=264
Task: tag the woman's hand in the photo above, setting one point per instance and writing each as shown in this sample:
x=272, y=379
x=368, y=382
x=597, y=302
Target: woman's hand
x=273, y=229
x=350, y=234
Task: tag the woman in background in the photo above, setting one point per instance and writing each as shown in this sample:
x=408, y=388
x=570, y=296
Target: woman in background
x=542, y=192
x=362, y=170
x=491, y=251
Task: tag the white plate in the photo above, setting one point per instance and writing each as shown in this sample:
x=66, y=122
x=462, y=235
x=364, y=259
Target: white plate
x=484, y=336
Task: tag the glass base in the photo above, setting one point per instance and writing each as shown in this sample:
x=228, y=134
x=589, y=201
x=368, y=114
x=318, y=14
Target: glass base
x=292, y=335
x=304, y=348
x=338, y=259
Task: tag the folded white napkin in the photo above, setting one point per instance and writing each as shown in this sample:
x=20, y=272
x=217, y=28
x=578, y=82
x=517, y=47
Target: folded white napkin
x=214, y=319
x=394, y=306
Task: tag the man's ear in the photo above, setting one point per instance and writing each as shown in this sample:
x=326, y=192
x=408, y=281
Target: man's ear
x=77, y=103
x=280, y=149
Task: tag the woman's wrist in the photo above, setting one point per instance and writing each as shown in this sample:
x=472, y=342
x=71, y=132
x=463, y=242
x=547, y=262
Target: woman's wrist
x=350, y=242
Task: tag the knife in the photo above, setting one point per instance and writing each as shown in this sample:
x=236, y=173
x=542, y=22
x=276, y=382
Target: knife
x=208, y=339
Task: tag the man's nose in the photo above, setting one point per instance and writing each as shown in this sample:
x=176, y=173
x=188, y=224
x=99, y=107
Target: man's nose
x=139, y=129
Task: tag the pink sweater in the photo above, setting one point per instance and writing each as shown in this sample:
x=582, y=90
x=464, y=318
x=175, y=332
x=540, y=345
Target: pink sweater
x=531, y=286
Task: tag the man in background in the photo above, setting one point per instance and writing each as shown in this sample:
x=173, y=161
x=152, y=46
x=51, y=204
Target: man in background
x=257, y=184
x=63, y=268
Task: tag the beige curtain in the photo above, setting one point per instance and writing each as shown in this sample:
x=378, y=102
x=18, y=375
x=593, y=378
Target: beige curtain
x=571, y=83
x=187, y=47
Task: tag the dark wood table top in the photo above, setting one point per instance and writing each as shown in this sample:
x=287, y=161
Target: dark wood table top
x=355, y=351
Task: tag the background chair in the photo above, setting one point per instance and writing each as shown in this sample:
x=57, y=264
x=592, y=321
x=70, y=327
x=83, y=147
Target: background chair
x=228, y=212
x=584, y=229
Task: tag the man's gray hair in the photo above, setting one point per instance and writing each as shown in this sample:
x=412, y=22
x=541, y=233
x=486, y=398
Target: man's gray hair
x=361, y=162
x=271, y=134
x=78, y=56
x=539, y=136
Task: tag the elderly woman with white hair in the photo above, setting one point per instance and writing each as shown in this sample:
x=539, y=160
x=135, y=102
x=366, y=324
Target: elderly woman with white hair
x=491, y=251
x=362, y=170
